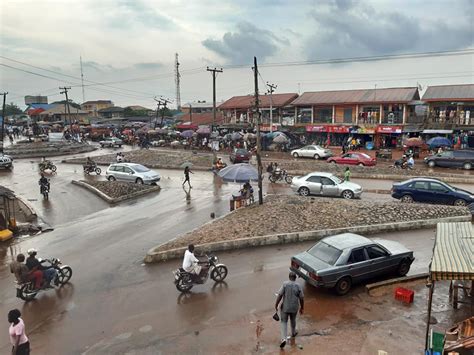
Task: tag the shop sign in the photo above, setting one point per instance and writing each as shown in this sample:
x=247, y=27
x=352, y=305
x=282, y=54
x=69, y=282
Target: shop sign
x=389, y=129
x=362, y=130
x=288, y=121
x=311, y=128
x=338, y=129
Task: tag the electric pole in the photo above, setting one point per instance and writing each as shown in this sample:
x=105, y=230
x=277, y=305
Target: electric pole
x=82, y=81
x=190, y=113
x=214, y=71
x=259, y=144
x=164, y=102
x=158, y=104
x=271, y=89
x=65, y=89
x=3, y=116
x=177, y=81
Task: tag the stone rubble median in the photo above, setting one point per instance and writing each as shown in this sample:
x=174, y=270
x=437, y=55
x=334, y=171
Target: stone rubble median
x=115, y=191
x=47, y=149
x=288, y=219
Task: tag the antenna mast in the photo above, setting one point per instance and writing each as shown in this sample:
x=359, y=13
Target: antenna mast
x=82, y=82
x=177, y=80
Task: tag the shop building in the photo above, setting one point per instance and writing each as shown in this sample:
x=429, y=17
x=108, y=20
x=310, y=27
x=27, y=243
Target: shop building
x=240, y=109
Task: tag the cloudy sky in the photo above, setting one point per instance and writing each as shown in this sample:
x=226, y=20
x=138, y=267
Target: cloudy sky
x=130, y=45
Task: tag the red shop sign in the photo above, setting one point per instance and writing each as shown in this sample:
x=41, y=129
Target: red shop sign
x=312, y=128
x=338, y=129
x=389, y=129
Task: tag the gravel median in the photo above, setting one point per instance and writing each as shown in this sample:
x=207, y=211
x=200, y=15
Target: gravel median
x=116, y=189
x=286, y=214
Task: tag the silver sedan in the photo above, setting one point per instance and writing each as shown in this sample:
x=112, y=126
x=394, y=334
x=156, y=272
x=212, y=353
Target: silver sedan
x=325, y=184
x=312, y=151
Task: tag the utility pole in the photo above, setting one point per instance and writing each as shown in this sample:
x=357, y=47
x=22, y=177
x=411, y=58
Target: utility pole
x=190, y=113
x=177, y=81
x=214, y=71
x=82, y=81
x=158, y=104
x=259, y=144
x=271, y=89
x=3, y=116
x=164, y=102
x=65, y=89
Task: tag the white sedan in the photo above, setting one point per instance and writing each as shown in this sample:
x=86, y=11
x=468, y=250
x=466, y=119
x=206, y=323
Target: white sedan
x=325, y=184
x=312, y=151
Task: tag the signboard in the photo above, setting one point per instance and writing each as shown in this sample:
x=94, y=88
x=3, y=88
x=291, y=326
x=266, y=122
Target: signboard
x=55, y=136
x=288, y=121
x=315, y=129
x=389, y=129
x=362, y=130
x=338, y=129
x=266, y=127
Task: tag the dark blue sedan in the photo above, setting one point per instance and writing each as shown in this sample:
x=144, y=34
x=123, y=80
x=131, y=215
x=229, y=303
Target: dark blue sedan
x=431, y=191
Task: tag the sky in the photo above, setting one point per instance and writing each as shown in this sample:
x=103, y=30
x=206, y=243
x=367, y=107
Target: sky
x=130, y=46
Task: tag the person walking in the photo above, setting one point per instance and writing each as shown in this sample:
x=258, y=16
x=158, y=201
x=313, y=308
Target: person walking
x=293, y=298
x=18, y=338
x=187, y=170
x=347, y=174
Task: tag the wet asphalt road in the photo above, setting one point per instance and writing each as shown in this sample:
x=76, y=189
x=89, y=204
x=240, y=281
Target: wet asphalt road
x=114, y=303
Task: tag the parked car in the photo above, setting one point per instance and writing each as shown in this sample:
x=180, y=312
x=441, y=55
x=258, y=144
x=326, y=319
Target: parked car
x=342, y=260
x=240, y=156
x=111, y=142
x=354, y=158
x=131, y=172
x=432, y=191
x=452, y=159
x=325, y=184
x=6, y=162
x=312, y=151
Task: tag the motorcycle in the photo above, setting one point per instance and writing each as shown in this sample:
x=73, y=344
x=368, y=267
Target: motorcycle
x=185, y=281
x=47, y=165
x=44, y=190
x=280, y=176
x=91, y=169
x=27, y=291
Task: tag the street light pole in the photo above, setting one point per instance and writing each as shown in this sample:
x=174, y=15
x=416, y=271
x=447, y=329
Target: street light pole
x=3, y=116
x=271, y=89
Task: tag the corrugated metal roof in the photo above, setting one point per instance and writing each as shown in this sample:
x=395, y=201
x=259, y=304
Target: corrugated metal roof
x=202, y=118
x=395, y=95
x=449, y=92
x=239, y=102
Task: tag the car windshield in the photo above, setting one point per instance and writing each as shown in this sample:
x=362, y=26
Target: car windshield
x=336, y=179
x=241, y=151
x=140, y=169
x=364, y=155
x=325, y=252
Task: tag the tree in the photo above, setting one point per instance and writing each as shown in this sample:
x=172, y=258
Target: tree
x=71, y=103
x=11, y=109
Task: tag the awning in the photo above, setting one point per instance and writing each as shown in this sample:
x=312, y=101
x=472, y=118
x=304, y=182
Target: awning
x=453, y=254
x=437, y=131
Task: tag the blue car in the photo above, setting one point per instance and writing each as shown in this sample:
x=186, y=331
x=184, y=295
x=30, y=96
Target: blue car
x=430, y=190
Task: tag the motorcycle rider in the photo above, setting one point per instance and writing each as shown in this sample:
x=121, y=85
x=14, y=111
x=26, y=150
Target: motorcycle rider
x=23, y=274
x=43, y=182
x=34, y=264
x=191, y=263
x=90, y=163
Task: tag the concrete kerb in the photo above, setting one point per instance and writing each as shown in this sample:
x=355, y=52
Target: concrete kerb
x=284, y=238
x=26, y=207
x=111, y=200
x=398, y=280
x=153, y=166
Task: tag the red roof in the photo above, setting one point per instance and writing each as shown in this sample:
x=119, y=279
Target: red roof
x=35, y=111
x=203, y=118
x=239, y=102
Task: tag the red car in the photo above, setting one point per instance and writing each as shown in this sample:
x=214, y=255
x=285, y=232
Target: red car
x=240, y=156
x=353, y=158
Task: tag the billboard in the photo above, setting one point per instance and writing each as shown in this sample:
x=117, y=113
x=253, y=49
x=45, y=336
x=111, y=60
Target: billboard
x=36, y=100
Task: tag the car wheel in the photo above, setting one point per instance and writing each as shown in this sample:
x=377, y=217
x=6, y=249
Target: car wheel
x=467, y=166
x=406, y=199
x=347, y=194
x=303, y=191
x=139, y=181
x=360, y=164
x=343, y=286
x=431, y=164
x=460, y=202
x=272, y=178
x=332, y=161
x=111, y=178
x=403, y=268
x=316, y=156
x=296, y=155
x=102, y=146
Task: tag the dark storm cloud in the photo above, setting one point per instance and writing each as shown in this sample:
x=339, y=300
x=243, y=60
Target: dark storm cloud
x=348, y=28
x=246, y=42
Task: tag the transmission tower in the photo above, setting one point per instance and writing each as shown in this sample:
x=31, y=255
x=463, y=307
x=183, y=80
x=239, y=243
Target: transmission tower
x=82, y=81
x=177, y=80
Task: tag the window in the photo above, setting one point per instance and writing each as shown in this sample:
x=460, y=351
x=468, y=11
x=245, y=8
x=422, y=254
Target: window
x=375, y=252
x=436, y=187
x=314, y=179
x=347, y=156
x=327, y=181
x=117, y=168
x=420, y=185
x=141, y=169
x=348, y=115
x=325, y=252
x=127, y=170
x=446, y=154
x=357, y=256
x=309, y=147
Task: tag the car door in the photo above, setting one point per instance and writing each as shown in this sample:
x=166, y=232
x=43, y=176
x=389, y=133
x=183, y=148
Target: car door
x=358, y=264
x=118, y=173
x=307, y=151
x=328, y=187
x=421, y=191
x=128, y=174
x=314, y=184
x=440, y=193
x=348, y=159
x=379, y=260
x=446, y=159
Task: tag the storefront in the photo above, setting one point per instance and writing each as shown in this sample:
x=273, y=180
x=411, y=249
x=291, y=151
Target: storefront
x=388, y=136
x=335, y=135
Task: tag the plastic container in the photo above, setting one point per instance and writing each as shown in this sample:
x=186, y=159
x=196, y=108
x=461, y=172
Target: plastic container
x=404, y=295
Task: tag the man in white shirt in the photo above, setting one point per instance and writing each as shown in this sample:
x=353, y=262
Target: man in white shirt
x=190, y=262
x=411, y=162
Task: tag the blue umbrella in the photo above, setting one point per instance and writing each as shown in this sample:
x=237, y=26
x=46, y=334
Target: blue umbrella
x=239, y=173
x=439, y=142
x=187, y=134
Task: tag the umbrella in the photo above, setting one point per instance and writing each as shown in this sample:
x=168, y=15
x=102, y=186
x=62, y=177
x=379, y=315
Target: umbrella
x=161, y=131
x=174, y=143
x=215, y=134
x=248, y=136
x=236, y=136
x=281, y=139
x=228, y=137
x=187, y=134
x=204, y=130
x=239, y=173
x=186, y=164
x=439, y=142
x=413, y=142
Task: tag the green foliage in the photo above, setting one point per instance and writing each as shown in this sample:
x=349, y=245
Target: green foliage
x=11, y=109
